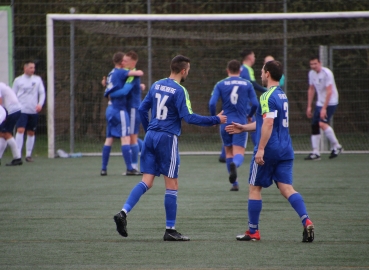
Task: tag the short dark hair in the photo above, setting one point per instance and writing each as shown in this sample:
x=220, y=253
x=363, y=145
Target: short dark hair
x=133, y=55
x=29, y=62
x=234, y=66
x=179, y=63
x=314, y=57
x=118, y=57
x=275, y=69
x=246, y=52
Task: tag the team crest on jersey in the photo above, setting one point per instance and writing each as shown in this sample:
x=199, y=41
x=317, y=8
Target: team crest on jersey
x=33, y=84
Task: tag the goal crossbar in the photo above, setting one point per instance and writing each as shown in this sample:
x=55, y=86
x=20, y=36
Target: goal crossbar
x=50, y=18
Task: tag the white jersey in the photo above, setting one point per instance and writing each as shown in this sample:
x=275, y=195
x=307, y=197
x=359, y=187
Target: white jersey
x=321, y=81
x=30, y=91
x=2, y=114
x=10, y=100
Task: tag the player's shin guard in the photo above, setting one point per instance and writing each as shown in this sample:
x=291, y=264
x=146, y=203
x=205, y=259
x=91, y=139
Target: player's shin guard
x=254, y=209
x=134, y=196
x=297, y=202
x=105, y=156
x=170, y=204
x=238, y=160
x=126, y=152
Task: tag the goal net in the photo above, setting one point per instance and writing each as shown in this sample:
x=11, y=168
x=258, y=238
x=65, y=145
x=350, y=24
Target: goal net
x=80, y=49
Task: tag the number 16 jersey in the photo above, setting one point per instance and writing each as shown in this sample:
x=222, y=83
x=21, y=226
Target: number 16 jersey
x=169, y=103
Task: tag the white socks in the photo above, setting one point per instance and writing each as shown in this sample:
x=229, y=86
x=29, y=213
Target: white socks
x=29, y=145
x=2, y=146
x=13, y=146
x=19, y=141
x=315, y=143
x=329, y=133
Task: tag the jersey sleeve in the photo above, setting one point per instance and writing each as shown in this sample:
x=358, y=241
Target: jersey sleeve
x=253, y=100
x=183, y=103
x=123, y=91
x=268, y=106
x=143, y=110
x=41, y=93
x=310, y=75
x=330, y=78
x=213, y=100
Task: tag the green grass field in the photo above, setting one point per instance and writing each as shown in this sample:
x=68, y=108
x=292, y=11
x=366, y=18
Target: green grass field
x=58, y=214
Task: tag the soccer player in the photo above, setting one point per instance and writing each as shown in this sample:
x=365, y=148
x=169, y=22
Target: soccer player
x=169, y=103
x=236, y=93
x=321, y=81
x=273, y=154
x=271, y=58
x=30, y=91
x=134, y=101
x=117, y=114
x=247, y=72
x=13, y=107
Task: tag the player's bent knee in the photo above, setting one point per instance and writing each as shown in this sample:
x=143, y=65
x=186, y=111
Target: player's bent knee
x=315, y=129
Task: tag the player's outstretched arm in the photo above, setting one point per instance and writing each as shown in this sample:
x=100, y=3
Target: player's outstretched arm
x=136, y=73
x=236, y=128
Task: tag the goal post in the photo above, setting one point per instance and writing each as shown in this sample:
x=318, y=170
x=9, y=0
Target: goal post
x=201, y=39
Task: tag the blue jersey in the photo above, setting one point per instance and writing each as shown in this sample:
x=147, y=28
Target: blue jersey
x=169, y=103
x=134, y=96
x=274, y=103
x=236, y=93
x=248, y=74
x=115, y=81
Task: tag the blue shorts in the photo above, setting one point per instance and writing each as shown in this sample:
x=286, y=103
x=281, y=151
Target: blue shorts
x=134, y=120
x=279, y=171
x=159, y=154
x=233, y=139
x=117, y=123
x=27, y=121
x=10, y=122
x=330, y=112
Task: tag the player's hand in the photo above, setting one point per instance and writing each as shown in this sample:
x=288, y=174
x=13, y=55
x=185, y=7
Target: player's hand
x=38, y=108
x=103, y=81
x=143, y=87
x=222, y=117
x=249, y=120
x=308, y=112
x=323, y=114
x=234, y=128
x=259, y=157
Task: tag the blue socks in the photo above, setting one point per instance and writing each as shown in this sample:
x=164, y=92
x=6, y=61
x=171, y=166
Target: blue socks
x=134, y=155
x=134, y=196
x=170, y=204
x=105, y=157
x=297, y=202
x=238, y=160
x=126, y=153
x=254, y=209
